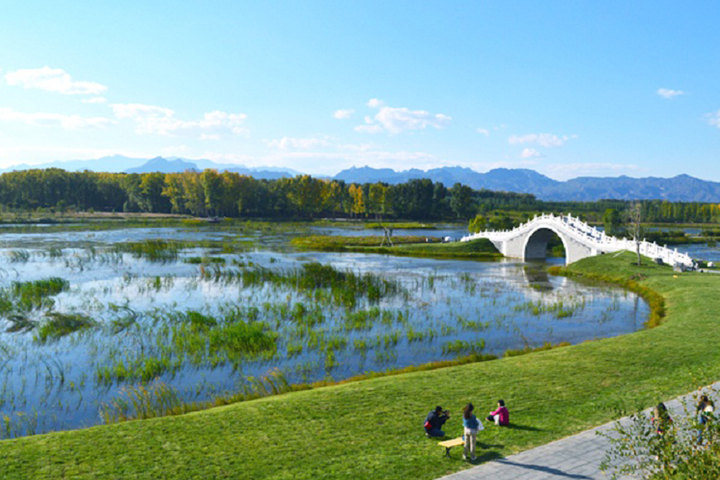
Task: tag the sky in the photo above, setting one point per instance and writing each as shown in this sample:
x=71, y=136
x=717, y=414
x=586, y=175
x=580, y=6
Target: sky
x=567, y=88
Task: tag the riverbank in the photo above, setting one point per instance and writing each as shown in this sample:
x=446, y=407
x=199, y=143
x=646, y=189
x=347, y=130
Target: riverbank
x=373, y=428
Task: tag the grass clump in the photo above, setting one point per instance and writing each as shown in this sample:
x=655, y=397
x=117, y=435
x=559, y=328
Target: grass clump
x=205, y=260
x=320, y=282
x=31, y=295
x=60, y=324
x=154, y=250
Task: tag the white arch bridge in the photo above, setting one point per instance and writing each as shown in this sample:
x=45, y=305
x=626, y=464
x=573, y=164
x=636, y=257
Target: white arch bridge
x=529, y=240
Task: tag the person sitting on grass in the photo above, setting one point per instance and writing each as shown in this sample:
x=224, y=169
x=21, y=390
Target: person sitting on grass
x=471, y=426
x=434, y=422
x=500, y=416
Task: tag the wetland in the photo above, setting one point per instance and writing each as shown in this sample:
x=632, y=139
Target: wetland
x=101, y=325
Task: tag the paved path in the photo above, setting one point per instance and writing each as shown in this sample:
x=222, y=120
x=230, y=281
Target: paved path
x=576, y=457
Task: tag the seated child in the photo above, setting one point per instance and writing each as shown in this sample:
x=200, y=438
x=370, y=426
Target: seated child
x=501, y=416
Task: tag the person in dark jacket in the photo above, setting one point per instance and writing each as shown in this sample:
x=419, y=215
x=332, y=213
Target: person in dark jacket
x=435, y=421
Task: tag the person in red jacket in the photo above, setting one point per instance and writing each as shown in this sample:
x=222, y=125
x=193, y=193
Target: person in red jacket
x=501, y=416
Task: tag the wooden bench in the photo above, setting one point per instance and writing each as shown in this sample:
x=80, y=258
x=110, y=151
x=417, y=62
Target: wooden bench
x=448, y=444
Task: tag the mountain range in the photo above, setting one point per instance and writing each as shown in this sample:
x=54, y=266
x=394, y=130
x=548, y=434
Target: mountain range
x=682, y=188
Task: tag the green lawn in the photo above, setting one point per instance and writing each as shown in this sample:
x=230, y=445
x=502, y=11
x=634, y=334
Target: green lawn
x=373, y=428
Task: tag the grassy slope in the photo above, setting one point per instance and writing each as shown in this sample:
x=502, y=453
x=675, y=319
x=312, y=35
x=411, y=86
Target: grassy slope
x=372, y=428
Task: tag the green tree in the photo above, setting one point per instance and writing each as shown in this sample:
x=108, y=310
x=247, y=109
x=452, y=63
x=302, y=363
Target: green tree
x=376, y=199
x=461, y=201
x=612, y=221
x=211, y=183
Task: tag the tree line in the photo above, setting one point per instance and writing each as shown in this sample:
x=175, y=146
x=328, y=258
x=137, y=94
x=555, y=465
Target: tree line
x=229, y=194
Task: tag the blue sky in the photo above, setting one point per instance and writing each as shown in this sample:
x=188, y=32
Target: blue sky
x=568, y=88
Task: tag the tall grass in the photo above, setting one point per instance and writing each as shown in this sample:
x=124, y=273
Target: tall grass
x=344, y=287
x=61, y=324
x=154, y=250
x=31, y=295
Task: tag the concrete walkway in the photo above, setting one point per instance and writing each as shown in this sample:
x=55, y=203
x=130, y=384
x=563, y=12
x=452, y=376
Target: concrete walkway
x=576, y=457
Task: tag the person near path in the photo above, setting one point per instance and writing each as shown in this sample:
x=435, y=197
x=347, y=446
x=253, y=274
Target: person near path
x=434, y=422
x=704, y=411
x=500, y=416
x=471, y=426
x=661, y=419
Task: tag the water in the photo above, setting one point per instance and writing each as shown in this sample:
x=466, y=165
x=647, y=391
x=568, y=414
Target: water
x=441, y=309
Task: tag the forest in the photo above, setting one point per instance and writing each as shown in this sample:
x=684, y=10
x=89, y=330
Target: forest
x=227, y=194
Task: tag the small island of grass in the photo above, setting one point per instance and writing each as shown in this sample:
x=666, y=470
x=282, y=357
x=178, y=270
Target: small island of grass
x=402, y=245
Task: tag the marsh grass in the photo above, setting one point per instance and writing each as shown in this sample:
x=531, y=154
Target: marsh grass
x=35, y=294
x=191, y=337
x=559, y=308
x=140, y=402
x=344, y=287
x=155, y=250
x=205, y=260
x=58, y=325
x=19, y=256
x=463, y=346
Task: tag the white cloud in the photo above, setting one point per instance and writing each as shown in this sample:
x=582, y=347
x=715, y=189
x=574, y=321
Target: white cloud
x=484, y=131
x=343, y=114
x=669, y=93
x=94, y=100
x=530, y=153
x=151, y=119
x=291, y=143
x=714, y=118
x=52, y=80
x=70, y=122
x=396, y=120
x=543, y=139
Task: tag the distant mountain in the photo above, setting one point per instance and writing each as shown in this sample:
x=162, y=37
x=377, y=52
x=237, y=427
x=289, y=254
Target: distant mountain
x=682, y=188
x=120, y=163
x=176, y=164
x=114, y=163
x=159, y=164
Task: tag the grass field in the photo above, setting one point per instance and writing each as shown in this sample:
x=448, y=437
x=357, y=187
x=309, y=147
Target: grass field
x=373, y=428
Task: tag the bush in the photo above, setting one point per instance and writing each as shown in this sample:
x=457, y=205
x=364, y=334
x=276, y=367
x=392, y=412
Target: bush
x=686, y=450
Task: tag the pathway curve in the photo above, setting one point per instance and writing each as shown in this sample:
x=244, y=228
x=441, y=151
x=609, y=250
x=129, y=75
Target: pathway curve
x=576, y=457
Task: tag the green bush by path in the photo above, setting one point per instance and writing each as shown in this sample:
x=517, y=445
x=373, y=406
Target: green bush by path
x=373, y=428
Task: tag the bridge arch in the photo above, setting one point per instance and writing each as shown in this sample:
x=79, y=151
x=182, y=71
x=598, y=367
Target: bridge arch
x=535, y=243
